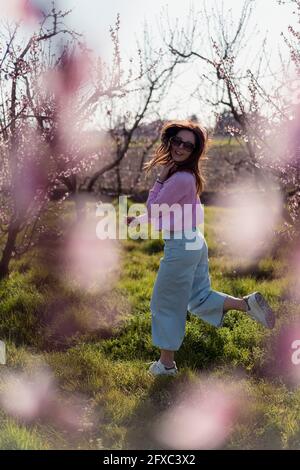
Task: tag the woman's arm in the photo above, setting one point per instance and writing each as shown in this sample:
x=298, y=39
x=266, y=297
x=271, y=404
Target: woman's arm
x=172, y=191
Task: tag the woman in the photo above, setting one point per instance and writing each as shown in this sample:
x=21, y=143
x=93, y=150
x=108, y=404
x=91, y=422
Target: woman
x=183, y=280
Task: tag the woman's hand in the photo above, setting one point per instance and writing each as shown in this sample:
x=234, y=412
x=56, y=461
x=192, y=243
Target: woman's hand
x=168, y=170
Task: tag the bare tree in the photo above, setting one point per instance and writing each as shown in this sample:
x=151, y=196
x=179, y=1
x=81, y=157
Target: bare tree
x=23, y=197
x=239, y=88
x=46, y=104
x=126, y=114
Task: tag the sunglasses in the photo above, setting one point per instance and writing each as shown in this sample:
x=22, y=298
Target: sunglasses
x=176, y=142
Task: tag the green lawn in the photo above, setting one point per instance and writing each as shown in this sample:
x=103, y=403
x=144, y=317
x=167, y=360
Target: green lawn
x=107, y=367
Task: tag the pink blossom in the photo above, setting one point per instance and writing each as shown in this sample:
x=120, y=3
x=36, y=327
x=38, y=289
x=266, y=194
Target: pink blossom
x=249, y=225
x=287, y=352
x=32, y=397
x=201, y=417
x=27, y=10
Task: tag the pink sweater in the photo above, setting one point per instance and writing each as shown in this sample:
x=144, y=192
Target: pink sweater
x=179, y=189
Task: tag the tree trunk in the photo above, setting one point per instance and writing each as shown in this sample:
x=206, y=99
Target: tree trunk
x=80, y=207
x=8, y=249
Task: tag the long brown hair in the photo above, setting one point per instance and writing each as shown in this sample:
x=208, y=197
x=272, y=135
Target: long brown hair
x=162, y=153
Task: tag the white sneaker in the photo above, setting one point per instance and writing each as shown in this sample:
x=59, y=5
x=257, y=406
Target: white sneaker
x=158, y=368
x=260, y=310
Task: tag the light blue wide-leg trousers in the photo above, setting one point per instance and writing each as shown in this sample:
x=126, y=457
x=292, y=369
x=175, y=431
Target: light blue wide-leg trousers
x=183, y=284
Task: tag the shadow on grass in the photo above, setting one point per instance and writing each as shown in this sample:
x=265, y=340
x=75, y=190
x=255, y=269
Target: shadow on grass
x=253, y=270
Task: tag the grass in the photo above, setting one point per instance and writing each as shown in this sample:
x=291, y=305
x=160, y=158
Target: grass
x=44, y=321
x=221, y=141
x=17, y=437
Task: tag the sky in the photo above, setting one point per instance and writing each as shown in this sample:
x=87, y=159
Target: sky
x=95, y=17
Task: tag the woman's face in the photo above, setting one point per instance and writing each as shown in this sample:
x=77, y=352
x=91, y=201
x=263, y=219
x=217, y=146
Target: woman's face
x=178, y=152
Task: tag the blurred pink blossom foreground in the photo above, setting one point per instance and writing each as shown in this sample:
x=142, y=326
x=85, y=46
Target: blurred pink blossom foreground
x=202, y=417
x=35, y=397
